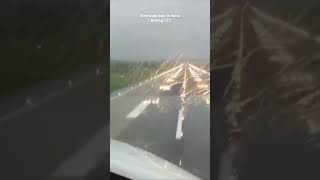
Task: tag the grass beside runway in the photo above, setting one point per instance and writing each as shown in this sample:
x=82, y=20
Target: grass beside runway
x=124, y=73
x=117, y=81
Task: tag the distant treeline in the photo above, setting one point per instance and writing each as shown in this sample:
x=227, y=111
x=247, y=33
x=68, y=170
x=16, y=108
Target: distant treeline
x=123, y=66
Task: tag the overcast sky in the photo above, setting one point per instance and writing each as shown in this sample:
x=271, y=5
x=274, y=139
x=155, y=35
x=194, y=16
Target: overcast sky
x=135, y=38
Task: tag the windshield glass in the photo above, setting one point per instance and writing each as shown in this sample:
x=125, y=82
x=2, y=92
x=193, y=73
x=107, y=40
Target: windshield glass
x=160, y=79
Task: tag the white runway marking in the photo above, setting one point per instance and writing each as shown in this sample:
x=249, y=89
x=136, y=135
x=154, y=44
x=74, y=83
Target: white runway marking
x=179, y=132
x=139, y=109
x=199, y=69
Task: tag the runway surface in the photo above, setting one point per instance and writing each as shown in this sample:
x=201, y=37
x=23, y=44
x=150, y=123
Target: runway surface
x=169, y=116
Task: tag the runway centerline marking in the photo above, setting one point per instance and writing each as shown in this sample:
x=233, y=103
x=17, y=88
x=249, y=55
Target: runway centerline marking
x=179, y=132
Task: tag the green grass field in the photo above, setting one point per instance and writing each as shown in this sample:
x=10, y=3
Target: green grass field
x=117, y=81
x=123, y=74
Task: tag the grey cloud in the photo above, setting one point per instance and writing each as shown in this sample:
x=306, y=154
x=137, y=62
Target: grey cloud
x=134, y=38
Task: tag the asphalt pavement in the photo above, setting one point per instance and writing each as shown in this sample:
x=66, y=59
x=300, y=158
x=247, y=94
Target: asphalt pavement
x=169, y=116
